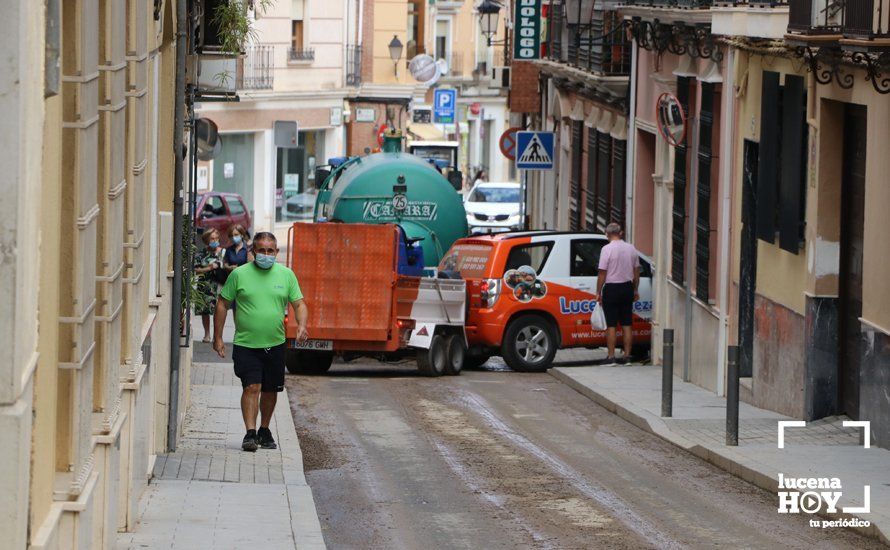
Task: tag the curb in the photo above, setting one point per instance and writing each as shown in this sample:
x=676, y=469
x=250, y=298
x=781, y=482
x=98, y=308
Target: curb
x=655, y=425
x=304, y=517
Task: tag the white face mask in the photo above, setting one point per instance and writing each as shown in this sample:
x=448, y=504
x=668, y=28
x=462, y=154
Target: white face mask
x=264, y=261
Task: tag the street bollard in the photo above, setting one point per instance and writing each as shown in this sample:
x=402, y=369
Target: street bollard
x=732, y=398
x=667, y=373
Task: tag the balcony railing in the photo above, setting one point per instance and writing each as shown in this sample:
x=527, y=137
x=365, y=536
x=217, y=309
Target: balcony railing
x=815, y=16
x=604, y=49
x=353, y=65
x=554, y=49
x=300, y=54
x=866, y=19
x=254, y=70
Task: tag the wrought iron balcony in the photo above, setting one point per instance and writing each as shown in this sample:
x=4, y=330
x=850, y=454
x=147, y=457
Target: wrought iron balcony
x=300, y=54
x=603, y=49
x=254, y=69
x=353, y=65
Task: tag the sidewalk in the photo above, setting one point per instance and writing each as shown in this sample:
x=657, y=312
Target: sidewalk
x=823, y=448
x=210, y=494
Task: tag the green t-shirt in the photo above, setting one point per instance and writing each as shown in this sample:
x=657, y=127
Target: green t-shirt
x=261, y=297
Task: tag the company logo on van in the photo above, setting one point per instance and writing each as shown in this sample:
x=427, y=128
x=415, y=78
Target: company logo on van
x=574, y=307
x=571, y=307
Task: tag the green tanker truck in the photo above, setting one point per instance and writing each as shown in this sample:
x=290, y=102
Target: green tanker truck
x=395, y=187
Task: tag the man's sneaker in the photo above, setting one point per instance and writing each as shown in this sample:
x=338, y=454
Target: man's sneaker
x=265, y=440
x=622, y=361
x=250, y=441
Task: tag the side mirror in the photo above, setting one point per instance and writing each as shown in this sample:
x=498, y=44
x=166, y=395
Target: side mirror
x=321, y=175
x=456, y=178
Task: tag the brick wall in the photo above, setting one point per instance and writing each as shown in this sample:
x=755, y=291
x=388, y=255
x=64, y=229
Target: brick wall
x=523, y=97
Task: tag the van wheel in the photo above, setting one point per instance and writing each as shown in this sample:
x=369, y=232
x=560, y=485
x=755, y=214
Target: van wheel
x=432, y=361
x=529, y=344
x=456, y=354
x=308, y=362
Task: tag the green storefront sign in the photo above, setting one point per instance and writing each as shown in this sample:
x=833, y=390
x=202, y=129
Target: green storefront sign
x=527, y=30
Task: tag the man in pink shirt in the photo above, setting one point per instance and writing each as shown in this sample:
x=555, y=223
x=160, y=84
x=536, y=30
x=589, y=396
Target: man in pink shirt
x=619, y=279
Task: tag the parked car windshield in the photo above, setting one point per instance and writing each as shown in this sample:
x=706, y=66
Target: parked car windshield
x=495, y=194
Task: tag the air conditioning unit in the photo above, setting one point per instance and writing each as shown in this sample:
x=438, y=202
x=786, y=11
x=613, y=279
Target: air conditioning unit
x=500, y=77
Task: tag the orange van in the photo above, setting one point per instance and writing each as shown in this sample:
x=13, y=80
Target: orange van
x=531, y=293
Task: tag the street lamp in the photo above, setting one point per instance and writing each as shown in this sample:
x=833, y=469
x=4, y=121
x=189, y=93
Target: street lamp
x=395, y=51
x=489, y=10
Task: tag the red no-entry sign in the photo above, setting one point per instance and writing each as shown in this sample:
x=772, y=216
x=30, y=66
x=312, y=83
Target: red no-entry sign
x=508, y=143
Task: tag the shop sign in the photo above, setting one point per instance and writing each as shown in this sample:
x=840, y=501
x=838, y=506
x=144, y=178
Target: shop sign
x=527, y=30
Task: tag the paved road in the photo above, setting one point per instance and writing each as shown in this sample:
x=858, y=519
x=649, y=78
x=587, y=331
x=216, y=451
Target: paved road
x=496, y=459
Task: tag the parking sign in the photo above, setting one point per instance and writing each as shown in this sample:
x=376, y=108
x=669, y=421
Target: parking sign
x=444, y=105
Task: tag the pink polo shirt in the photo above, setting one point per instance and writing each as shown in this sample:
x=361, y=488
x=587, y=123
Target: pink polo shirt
x=619, y=259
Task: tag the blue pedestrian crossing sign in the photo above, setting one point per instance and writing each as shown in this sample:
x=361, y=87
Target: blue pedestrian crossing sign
x=534, y=150
x=444, y=103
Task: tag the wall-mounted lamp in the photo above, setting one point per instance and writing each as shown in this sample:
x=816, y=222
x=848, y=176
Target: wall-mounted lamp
x=395, y=52
x=489, y=11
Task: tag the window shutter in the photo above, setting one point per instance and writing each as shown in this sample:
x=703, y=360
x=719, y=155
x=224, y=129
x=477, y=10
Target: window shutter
x=575, y=179
x=592, y=167
x=769, y=157
x=678, y=229
x=619, y=151
x=603, y=179
x=703, y=190
x=793, y=170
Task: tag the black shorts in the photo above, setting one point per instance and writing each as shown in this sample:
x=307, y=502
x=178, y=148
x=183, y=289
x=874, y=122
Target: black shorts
x=260, y=366
x=618, y=303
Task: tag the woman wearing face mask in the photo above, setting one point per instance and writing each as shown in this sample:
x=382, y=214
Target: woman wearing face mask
x=239, y=253
x=207, y=262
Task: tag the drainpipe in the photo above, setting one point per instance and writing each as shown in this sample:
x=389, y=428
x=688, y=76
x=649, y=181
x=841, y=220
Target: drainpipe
x=726, y=146
x=630, y=169
x=176, y=294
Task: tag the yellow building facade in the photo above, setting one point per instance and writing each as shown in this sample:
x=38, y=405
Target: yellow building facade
x=86, y=238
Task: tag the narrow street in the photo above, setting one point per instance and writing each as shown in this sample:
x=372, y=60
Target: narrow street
x=496, y=459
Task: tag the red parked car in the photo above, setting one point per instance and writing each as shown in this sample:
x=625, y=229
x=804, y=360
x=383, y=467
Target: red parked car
x=219, y=211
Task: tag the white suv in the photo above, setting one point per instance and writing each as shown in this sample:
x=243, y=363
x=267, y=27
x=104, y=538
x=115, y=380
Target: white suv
x=493, y=207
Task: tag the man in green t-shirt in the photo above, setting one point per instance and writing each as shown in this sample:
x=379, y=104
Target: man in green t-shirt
x=263, y=290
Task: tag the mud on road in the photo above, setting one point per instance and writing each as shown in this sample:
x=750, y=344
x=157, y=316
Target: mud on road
x=495, y=459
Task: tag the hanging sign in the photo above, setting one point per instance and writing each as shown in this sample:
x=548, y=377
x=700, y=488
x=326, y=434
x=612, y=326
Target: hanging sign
x=527, y=30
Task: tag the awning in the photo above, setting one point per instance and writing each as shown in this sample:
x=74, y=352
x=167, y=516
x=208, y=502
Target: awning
x=577, y=113
x=592, y=117
x=425, y=132
x=604, y=124
x=619, y=129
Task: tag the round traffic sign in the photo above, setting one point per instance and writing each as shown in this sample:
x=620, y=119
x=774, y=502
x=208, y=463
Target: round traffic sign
x=508, y=142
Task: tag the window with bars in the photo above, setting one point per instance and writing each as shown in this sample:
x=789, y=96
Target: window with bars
x=575, y=176
x=619, y=152
x=781, y=174
x=678, y=225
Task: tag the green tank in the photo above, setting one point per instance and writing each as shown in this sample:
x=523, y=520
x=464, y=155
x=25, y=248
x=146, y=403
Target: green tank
x=396, y=187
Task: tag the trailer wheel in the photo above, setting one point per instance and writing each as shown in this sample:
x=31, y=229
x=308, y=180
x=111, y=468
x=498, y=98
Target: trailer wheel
x=456, y=354
x=308, y=362
x=432, y=361
x=529, y=344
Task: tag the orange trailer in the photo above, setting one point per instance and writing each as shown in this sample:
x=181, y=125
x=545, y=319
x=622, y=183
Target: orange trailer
x=359, y=304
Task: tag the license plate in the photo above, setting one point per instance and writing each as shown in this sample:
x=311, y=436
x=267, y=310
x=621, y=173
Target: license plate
x=321, y=345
